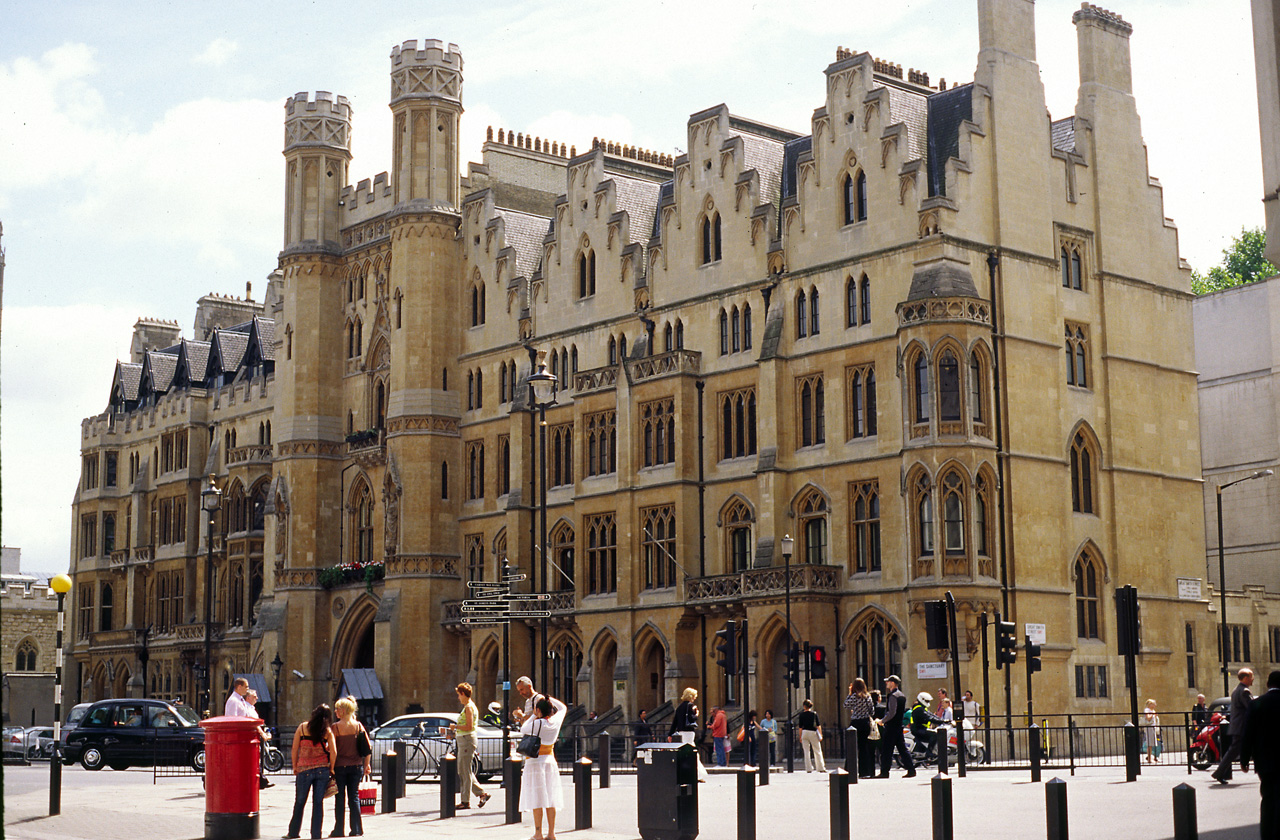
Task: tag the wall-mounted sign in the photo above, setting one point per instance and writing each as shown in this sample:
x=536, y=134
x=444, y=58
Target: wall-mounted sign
x=931, y=670
x=1036, y=632
x=1189, y=589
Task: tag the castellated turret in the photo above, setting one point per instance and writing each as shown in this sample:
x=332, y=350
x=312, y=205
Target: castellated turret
x=426, y=104
x=317, y=149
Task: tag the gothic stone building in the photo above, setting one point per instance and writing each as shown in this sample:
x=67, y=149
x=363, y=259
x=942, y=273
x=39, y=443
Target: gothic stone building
x=941, y=339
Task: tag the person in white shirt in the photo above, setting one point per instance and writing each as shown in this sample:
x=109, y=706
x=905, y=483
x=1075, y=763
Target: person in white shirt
x=237, y=704
x=540, y=778
x=970, y=708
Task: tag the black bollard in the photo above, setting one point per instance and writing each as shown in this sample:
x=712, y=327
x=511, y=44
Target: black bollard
x=582, y=793
x=746, y=804
x=402, y=750
x=840, y=781
x=762, y=755
x=606, y=754
x=389, y=762
x=1055, y=808
x=1033, y=745
x=448, y=786
x=511, y=778
x=851, y=754
x=940, y=747
x=1132, y=764
x=1184, y=813
x=943, y=819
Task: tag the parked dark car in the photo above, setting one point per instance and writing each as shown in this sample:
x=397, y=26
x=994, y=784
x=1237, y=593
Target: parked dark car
x=130, y=733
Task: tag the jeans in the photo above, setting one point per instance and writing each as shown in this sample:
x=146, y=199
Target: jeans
x=312, y=782
x=722, y=751
x=348, y=778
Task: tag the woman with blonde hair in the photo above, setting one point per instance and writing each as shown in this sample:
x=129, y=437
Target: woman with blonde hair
x=464, y=732
x=350, y=767
x=313, y=755
x=684, y=724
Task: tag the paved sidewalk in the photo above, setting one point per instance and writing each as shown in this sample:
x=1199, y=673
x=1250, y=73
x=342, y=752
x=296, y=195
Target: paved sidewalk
x=990, y=805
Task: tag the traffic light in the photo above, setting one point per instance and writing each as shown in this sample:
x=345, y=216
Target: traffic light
x=937, y=635
x=1033, y=657
x=1006, y=644
x=793, y=666
x=728, y=648
x=818, y=662
x=1128, y=621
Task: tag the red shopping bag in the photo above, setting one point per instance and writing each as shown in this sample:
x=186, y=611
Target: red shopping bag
x=368, y=798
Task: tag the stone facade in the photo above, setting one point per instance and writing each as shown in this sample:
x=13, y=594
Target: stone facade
x=855, y=336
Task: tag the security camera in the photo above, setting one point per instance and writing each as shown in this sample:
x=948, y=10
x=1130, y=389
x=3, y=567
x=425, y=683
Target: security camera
x=299, y=674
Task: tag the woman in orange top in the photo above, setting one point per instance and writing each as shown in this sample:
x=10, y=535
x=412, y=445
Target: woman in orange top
x=314, y=751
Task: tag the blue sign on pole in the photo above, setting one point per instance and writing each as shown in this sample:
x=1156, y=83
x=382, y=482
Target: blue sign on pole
x=506, y=685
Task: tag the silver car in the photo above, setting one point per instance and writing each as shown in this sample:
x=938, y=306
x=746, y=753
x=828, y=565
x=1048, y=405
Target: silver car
x=427, y=740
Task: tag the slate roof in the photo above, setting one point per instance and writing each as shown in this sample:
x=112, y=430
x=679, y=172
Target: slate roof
x=639, y=198
x=666, y=191
x=947, y=110
x=524, y=232
x=765, y=156
x=1062, y=134
x=193, y=361
x=912, y=110
x=941, y=279
x=128, y=376
x=266, y=328
x=790, y=154
x=161, y=366
x=230, y=346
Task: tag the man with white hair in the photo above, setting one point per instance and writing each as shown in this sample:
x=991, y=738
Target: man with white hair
x=524, y=687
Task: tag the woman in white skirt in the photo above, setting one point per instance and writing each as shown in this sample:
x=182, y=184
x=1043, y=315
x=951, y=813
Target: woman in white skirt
x=540, y=778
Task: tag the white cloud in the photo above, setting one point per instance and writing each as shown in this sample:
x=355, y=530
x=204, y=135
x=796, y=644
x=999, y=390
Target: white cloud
x=57, y=369
x=218, y=52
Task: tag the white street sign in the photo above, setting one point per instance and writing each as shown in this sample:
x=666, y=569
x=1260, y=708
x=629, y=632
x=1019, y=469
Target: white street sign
x=1036, y=632
x=1189, y=589
x=931, y=670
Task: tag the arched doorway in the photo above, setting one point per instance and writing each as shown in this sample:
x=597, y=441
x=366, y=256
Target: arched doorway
x=487, y=688
x=566, y=662
x=602, y=675
x=355, y=648
x=651, y=666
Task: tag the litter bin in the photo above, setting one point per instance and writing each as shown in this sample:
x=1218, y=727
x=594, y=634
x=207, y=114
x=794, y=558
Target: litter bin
x=667, y=796
x=231, y=778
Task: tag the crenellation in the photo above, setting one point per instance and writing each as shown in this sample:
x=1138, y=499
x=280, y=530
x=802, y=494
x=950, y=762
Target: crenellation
x=433, y=52
x=322, y=103
x=1115, y=22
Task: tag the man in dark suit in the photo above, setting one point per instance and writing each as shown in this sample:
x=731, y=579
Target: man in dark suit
x=1240, y=700
x=1261, y=744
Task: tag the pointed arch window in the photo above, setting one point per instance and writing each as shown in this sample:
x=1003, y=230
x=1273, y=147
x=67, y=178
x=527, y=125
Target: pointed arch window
x=362, y=550
x=746, y=327
x=850, y=302
x=710, y=238
x=1077, y=344
x=1082, y=475
x=1087, y=574
x=586, y=273
x=812, y=513
x=1072, y=266
x=738, y=423
x=920, y=379
x=444, y=480
x=680, y=334
x=948, y=388
x=562, y=578
x=862, y=401
x=658, y=545
x=502, y=384
x=813, y=311
x=953, y=513
x=724, y=333
x=668, y=340
x=977, y=405
x=860, y=197
x=477, y=304
x=923, y=511
x=613, y=350
x=504, y=465
x=475, y=470
x=26, y=658
x=475, y=557
x=736, y=329
x=982, y=522
x=813, y=429
x=866, y=526
x=737, y=523
x=602, y=554
x=877, y=650
x=865, y=295
x=802, y=320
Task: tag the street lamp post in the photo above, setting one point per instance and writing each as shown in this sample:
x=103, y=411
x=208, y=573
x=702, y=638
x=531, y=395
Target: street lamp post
x=61, y=584
x=788, y=546
x=1224, y=646
x=276, y=665
x=542, y=389
x=144, y=655
x=210, y=499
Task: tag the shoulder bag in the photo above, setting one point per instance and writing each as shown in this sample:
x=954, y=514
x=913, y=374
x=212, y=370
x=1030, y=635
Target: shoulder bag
x=530, y=745
x=363, y=747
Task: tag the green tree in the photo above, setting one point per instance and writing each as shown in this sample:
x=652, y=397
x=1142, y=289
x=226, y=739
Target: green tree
x=1242, y=263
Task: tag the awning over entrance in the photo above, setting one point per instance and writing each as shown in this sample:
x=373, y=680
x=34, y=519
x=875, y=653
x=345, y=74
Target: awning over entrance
x=258, y=683
x=360, y=683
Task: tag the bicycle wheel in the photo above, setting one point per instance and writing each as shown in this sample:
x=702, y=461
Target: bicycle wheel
x=273, y=760
x=416, y=762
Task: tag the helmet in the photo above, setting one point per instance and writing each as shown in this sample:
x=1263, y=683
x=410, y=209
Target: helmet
x=495, y=707
x=924, y=698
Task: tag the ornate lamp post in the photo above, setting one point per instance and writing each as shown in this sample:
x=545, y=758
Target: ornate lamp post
x=210, y=499
x=61, y=584
x=276, y=665
x=542, y=391
x=144, y=656
x=788, y=546
x=1224, y=647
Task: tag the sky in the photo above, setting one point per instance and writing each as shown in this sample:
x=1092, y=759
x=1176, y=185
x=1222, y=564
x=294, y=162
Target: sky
x=141, y=167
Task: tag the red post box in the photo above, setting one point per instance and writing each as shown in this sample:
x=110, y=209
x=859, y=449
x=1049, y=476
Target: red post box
x=231, y=778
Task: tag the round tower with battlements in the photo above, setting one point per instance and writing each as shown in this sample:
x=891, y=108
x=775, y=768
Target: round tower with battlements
x=317, y=149
x=426, y=104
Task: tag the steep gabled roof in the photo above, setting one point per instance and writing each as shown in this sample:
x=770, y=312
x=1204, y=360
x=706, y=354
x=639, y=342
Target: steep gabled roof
x=639, y=198
x=947, y=110
x=1062, y=134
x=193, y=363
x=158, y=367
x=125, y=381
x=524, y=233
x=790, y=156
x=228, y=349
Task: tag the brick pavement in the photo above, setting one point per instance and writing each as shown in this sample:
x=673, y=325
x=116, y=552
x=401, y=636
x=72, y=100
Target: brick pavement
x=112, y=805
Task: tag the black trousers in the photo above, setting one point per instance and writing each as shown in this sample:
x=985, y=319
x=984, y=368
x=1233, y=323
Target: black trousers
x=891, y=738
x=1269, y=821
x=866, y=748
x=1230, y=754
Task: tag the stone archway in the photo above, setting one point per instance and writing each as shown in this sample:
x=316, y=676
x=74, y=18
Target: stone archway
x=650, y=671
x=487, y=688
x=606, y=660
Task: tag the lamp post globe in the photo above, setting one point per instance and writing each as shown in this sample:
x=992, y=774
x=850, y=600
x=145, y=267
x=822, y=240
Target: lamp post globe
x=61, y=585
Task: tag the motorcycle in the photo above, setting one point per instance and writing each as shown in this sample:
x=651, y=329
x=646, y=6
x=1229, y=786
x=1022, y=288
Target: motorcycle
x=272, y=758
x=975, y=751
x=1206, y=749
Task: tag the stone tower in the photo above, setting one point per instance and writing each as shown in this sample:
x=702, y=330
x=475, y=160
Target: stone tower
x=426, y=103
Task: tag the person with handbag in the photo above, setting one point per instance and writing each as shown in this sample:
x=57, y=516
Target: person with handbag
x=313, y=756
x=351, y=765
x=464, y=733
x=811, y=738
x=540, y=778
x=684, y=725
x=861, y=707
